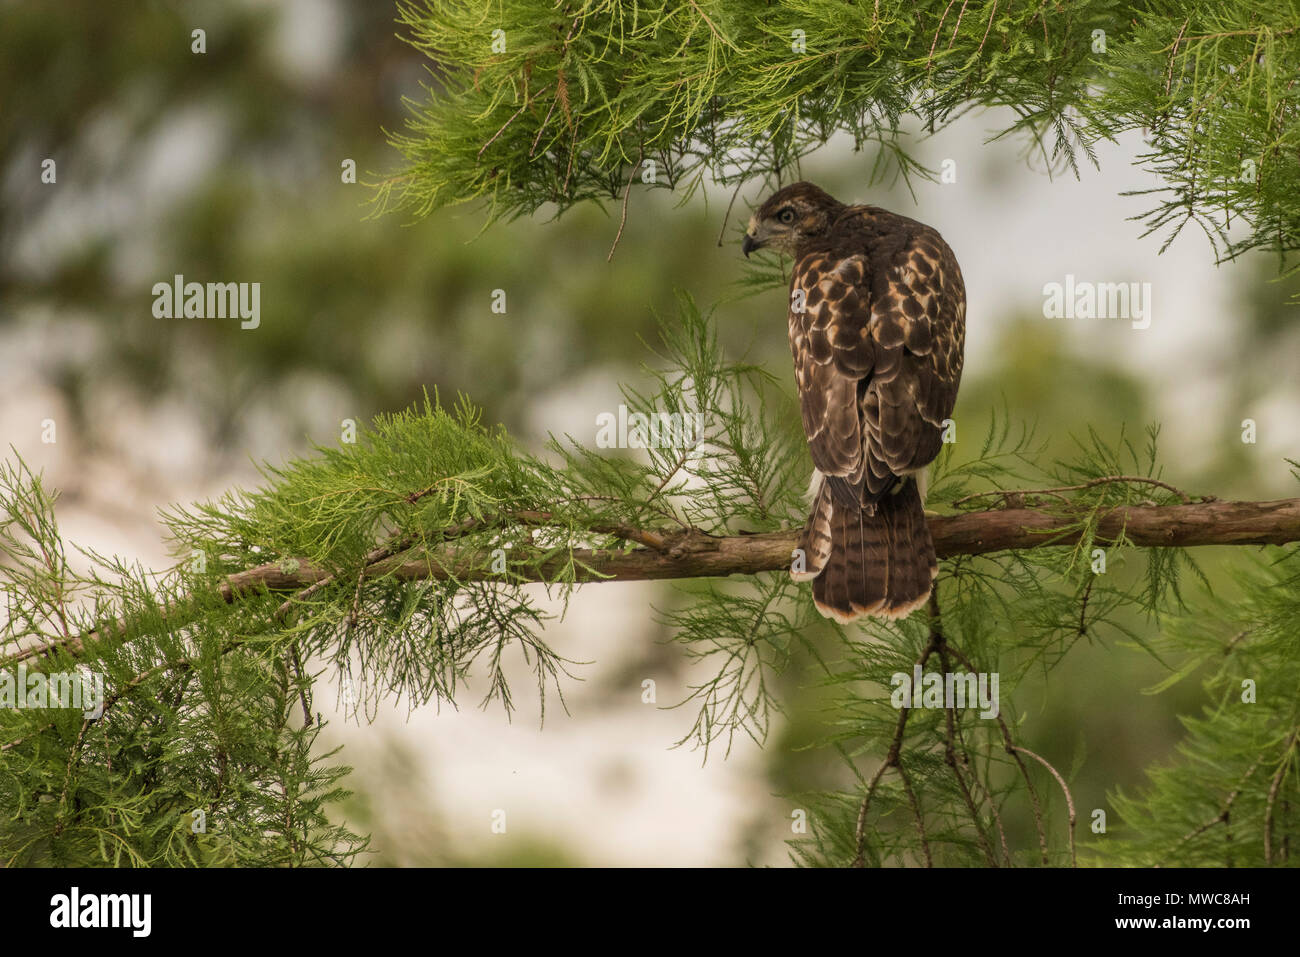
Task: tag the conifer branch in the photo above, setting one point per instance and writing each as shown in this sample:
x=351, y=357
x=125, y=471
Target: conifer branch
x=745, y=102
x=1224, y=815
x=694, y=554
x=689, y=553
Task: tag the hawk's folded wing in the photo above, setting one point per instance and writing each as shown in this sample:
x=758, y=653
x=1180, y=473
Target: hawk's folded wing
x=877, y=328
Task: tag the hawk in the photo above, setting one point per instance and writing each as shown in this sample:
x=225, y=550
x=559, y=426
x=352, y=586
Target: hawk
x=877, y=328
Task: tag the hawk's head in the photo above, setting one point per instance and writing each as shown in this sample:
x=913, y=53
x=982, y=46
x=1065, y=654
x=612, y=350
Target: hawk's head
x=799, y=212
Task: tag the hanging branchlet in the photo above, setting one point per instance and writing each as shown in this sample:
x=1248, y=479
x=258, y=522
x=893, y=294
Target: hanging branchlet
x=734, y=92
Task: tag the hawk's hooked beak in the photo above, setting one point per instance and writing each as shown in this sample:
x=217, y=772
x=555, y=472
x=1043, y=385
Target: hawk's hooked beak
x=749, y=244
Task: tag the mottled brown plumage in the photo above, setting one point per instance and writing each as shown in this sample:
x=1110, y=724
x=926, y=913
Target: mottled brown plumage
x=877, y=329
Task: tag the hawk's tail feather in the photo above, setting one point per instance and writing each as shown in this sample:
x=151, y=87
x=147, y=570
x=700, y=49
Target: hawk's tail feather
x=815, y=542
x=880, y=562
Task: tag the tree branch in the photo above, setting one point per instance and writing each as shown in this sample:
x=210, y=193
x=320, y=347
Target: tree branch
x=694, y=554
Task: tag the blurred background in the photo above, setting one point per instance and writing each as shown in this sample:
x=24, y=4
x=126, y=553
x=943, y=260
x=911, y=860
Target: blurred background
x=226, y=166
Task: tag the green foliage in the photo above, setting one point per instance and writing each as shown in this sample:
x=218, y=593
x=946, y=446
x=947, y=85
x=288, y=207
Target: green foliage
x=206, y=687
x=209, y=692
x=209, y=705
x=952, y=788
x=566, y=103
x=196, y=720
x=743, y=638
x=1228, y=800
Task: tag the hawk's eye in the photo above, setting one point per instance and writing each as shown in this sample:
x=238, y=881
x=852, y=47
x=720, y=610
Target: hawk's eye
x=785, y=216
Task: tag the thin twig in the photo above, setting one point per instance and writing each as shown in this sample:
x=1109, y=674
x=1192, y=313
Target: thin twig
x=960, y=13
x=1069, y=800
x=626, y=193
x=1015, y=494
x=712, y=27
x=993, y=805
x=541, y=129
x=1169, y=77
x=1083, y=606
x=559, y=86
x=1283, y=766
x=504, y=125
x=1220, y=818
x=1229, y=33
x=930, y=57
x=916, y=812
x=744, y=177
x=302, y=685
x=891, y=760
x=1009, y=744
x=949, y=716
x=987, y=28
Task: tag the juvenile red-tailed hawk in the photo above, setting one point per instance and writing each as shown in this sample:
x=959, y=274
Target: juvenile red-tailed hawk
x=877, y=327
